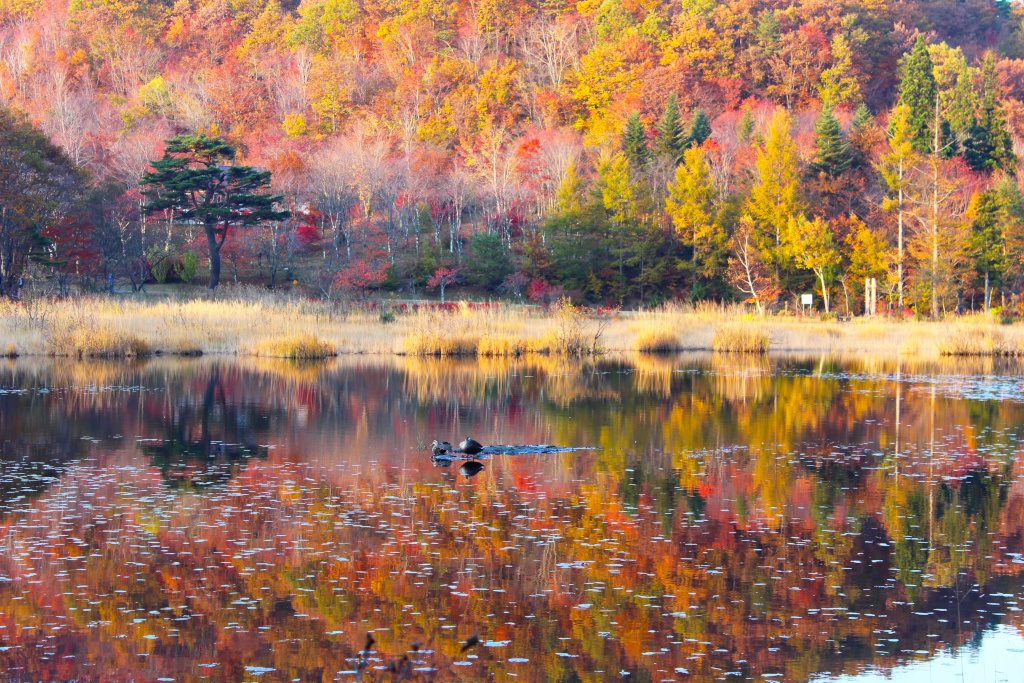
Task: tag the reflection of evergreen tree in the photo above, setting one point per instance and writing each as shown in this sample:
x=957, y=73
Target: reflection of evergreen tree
x=213, y=454
x=910, y=554
x=665, y=501
x=631, y=486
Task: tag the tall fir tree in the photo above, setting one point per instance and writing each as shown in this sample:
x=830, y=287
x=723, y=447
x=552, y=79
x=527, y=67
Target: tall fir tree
x=960, y=101
x=994, y=244
x=988, y=146
x=918, y=92
x=634, y=143
x=700, y=128
x=832, y=152
x=669, y=144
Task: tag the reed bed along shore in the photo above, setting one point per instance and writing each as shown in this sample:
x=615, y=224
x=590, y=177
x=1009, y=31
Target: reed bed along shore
x=268, y=325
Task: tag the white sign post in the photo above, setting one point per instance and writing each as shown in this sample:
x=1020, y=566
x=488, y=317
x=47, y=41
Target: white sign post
x=806, y=301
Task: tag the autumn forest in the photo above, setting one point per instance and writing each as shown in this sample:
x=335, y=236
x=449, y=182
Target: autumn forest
x=621, y=152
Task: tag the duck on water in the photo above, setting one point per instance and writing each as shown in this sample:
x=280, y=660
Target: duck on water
x=469, y=446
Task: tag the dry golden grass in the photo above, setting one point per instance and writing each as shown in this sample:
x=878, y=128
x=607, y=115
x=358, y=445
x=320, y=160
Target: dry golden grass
x=741, y=339
x=237, y=321
x=980, y=341
x=501, y=332
x=656, y=340
x=88, y=341
x=300, y=347
x=501, y=346
x=439, y=343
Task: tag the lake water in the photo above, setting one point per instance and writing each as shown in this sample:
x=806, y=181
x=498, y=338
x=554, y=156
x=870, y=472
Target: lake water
x=783, y=519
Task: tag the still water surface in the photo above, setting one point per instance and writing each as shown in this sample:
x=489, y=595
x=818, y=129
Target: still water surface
x=738, y=519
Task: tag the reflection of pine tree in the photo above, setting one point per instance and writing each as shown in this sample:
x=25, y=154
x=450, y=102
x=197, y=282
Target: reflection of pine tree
x=212, y=456
x=908, y=520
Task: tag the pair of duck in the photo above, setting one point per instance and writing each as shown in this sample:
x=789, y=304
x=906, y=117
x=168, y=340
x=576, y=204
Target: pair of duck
x=469, y=446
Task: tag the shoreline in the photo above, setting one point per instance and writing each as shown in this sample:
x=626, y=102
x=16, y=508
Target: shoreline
x=275, y=326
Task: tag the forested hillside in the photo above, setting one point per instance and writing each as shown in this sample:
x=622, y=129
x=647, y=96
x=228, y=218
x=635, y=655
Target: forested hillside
x=619, y=151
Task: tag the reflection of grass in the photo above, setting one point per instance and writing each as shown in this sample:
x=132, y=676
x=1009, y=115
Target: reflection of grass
x=653, y=373
x=291, y=369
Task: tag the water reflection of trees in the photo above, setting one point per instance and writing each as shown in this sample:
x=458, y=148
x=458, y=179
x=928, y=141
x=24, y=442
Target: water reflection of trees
x=205, y=442
x=766, y=518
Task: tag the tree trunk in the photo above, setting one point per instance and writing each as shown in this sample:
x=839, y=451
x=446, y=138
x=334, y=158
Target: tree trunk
x=988, y=295
x=824, y=290
x=211, y=240
x=936, y=149
x=899, y=239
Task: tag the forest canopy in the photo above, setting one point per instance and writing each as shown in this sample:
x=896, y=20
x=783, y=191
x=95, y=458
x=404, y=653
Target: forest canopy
x=617, y=151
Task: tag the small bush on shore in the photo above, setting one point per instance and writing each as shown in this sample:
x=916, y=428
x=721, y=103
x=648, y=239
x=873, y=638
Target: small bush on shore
x=657, y=341
x=740, y=339
x=568, y=336
x=303, y=347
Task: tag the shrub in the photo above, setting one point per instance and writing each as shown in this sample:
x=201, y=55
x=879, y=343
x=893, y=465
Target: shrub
x=187, y=266
x=569, y=336
x=740, y=339
x=657, y=341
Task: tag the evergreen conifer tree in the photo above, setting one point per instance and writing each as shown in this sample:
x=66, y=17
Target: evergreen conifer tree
x=197, y=181
x=861, y=136
x=988, y=146
x=832, y=152
x=700, y=129
x=634, y=143
x=918, y=91
x=670, y=132
x=745, y=128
